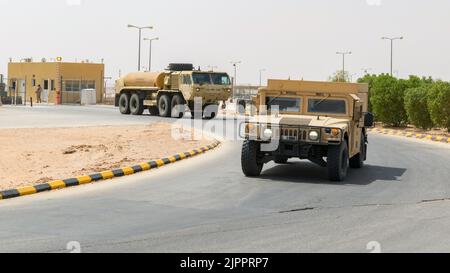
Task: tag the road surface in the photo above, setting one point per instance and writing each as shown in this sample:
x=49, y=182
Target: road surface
x=399, y=201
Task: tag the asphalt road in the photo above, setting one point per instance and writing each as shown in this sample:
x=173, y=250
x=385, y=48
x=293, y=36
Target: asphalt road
x=400, y=200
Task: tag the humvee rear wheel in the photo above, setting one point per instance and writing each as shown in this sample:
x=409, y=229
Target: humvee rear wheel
x=153, y=111
x=136, y=105
x=357, y=162
x=164, y=106
x=337, y=162
x=281, y=159
x=178, y=106
x=251, y=159
x=124, y=104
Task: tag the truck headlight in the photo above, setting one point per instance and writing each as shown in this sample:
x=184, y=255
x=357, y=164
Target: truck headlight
x=268, y=133
x=313, y=135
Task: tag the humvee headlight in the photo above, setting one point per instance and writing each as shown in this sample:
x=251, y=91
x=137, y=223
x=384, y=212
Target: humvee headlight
x=313, y=135
x=268, y=133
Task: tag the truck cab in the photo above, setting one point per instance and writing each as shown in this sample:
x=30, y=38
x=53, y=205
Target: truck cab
x=323, y=122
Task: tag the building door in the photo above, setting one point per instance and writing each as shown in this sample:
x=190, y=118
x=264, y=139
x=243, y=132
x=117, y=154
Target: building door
x=46, y=91
x=21, y=92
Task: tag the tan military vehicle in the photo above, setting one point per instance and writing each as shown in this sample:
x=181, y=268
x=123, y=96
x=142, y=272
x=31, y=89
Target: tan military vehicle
x=168, y=93
x=308, y=120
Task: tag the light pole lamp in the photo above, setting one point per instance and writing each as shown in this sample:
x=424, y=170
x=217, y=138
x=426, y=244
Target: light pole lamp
x=392, y=39
x=343, y=62
x=235, y=76
x=150, y=52
x=140, y=38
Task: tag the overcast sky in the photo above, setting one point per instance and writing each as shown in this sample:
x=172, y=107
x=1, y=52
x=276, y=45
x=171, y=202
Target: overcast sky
x=288, y=38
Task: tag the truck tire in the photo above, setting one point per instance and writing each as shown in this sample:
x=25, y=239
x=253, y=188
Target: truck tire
x=251, y=160
x=357, y=162
x=124, y=104
x=164, y=106
x=281, y=159
x=136, y=105
x=178, y=106
x=337, y=162
x=153, y=110
x=210, y=111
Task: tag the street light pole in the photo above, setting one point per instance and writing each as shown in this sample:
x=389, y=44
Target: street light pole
x=343, y=62
x=392, y=50
x=260, y=76
x=150, y=53
x=140, y=39
x=235, y=76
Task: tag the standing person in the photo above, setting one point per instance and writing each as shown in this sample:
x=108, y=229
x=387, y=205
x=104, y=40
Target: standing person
x=38, y=94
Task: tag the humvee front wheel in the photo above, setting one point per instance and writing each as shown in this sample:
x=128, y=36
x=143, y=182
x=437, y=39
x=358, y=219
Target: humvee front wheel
x=251, y=159
x=338, y=161
x=357, y=162
x=136, y=105
x=164, y=106
x=124, y=104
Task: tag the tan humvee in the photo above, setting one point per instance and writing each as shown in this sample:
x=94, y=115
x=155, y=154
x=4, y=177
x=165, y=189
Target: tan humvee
x=308, y=120
x=168, y=93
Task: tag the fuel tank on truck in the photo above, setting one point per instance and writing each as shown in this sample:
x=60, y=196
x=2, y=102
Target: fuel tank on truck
x=145, y=79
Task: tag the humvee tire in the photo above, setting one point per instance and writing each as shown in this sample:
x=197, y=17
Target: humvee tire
x=136, y=105
x=250, y=159
x=337, y=162
x=281, y=160
x=357, y=162
x=164, y=106
x=153, y=110
x=124, y=104
x=177, y=102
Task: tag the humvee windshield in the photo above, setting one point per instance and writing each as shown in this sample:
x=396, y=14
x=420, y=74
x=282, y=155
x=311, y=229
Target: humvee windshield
x=284, y=104
x=211, y=78
x=328, y=106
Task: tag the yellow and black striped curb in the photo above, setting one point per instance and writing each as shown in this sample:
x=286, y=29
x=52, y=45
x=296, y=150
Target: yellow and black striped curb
x=411, y=135
x=105, y=175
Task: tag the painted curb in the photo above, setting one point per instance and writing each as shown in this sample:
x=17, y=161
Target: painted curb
x=440, y=139
x=105, y=175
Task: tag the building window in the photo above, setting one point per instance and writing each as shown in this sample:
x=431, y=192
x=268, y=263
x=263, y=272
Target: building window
x=77, y=86
x=33, y=82
x=52, y=83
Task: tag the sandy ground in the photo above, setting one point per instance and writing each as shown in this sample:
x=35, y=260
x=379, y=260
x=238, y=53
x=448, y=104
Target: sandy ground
x=412, y=129
x=33, y=156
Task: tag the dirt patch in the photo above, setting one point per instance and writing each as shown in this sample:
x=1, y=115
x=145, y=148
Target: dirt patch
x=411, y=129
x=34, y=156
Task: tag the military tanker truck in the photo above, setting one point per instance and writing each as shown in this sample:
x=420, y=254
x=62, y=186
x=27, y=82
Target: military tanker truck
x=173, y=92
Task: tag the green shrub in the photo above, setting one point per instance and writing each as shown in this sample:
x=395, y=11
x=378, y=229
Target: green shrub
x=387, y=99
x=416, y=106
x=439, y=104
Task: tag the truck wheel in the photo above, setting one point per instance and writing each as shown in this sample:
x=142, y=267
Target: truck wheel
x=153, y=110
x=337, y=162
x=357, y=162
x=164, y=106
x=124, y=104
x=178, y=107
x=251, y=160
x=210, y=111
x=281, y=159
x=136, y=105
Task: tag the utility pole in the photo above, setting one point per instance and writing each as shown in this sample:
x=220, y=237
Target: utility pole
x=343, y=62
x=150, y=53
x=392, y=50
x=140, y=39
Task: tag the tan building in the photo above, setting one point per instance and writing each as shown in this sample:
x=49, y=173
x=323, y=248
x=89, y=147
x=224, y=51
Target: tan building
x=61, y=82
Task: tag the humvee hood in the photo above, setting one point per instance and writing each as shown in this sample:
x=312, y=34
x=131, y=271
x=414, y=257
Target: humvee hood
x=301, y=120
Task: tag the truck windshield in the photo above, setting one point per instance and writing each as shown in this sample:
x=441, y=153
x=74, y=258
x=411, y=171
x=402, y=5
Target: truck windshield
x=220, y=79
x=328, y=106
x=201, y=78
x=283, y=104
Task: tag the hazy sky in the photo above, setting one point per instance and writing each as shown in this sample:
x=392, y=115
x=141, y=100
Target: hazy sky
x=288, y=38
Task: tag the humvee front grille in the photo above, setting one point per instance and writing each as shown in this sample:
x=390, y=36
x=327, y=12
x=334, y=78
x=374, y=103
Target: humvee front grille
x=293, y=134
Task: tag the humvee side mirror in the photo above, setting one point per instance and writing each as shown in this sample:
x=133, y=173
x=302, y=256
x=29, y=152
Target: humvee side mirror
x=368, y=119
